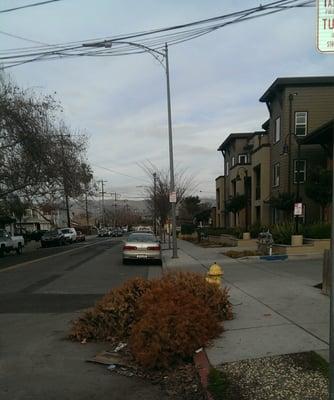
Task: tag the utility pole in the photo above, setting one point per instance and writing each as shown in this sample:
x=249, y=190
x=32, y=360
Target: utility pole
x=171, y=157
x=115, y=205
x=155, y=203
x=86, y=206
x=65, y=186
x=102, y=202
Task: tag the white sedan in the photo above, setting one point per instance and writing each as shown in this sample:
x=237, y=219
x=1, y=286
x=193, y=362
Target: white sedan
x=142, y=246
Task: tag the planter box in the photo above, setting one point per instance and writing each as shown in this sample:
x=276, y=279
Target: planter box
x=319, y=244
x=188, y=236
x=290, y=250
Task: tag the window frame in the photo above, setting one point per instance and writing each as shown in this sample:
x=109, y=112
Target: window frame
x=246, y=159
x=295, y=172
x=277, y=137
x=227, y=168
x=232, y=161
x=276, y=177
x=304, y=124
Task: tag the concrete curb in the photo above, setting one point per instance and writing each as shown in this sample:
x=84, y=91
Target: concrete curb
x=203, y=366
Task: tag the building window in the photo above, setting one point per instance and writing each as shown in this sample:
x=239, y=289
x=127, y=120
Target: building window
x=227, y=168
x=299, y=171
x=242, y=159
x=301, y=123
x=277, y=137
x=218, y=198
x=276, y=174
x=233, y=162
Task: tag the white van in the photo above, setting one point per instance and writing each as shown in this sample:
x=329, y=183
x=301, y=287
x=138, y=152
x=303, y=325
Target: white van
x=70, y=234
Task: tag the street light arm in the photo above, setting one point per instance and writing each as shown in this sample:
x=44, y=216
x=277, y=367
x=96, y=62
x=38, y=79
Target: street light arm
x=109, y=43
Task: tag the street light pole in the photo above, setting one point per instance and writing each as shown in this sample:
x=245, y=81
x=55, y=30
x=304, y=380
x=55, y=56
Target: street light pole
x=171, y=157
x=156, y=54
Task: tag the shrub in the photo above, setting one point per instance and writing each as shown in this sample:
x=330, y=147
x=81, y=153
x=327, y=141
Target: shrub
x=164, y=320
x=282, y=232
x=236, y=231
x=256, y=229
x=113, y=316
x=317, y=231
x=187, y=229
x=172, y=324
x=217, y=299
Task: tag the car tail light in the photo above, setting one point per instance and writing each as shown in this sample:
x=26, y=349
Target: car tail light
x=153, y=247
x=130, y=248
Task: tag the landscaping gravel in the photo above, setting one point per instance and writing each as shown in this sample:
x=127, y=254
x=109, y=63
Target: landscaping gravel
x=288, y=377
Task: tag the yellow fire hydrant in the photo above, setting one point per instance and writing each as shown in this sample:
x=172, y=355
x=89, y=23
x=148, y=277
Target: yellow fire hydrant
x=215, y=274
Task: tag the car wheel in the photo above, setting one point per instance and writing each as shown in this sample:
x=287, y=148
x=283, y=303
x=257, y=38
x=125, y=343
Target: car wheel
x=19, y=249
x=2, y=251
x=43, y=244
x=125, y=261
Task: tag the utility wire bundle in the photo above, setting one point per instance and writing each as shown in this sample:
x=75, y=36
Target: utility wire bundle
x=140, y=42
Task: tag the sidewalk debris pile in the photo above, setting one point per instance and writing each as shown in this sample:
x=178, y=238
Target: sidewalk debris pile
x=163, y=321
x=179, y=383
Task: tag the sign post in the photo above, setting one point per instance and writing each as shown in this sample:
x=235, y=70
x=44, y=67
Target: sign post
x=325, y=44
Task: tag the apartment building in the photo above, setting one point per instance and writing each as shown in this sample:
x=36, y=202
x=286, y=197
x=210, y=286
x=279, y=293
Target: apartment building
x=264, y=164
x=245, y=165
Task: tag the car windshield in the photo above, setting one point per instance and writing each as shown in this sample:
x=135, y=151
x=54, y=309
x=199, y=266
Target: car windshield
x=66, y=231
x=54, y=232
x=142, y=237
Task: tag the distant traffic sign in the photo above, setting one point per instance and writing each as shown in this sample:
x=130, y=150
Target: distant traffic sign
x=325, y=26
x=172, y=197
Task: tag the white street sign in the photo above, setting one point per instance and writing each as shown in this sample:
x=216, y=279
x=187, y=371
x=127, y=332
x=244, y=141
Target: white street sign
x=172, y=197
x=298, y=209
x=325, y=26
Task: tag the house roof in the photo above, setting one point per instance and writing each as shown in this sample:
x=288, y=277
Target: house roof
x=297, y=81
x=233, y=136
x=322, y=135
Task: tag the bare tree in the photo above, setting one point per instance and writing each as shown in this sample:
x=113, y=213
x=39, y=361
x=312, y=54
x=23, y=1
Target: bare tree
x=41, y=161
x=158, y=192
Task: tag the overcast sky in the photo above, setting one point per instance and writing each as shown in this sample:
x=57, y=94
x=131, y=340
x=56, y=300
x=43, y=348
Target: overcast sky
x=216, y=80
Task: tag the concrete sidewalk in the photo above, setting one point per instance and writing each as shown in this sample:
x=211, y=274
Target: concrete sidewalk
x=277, y=309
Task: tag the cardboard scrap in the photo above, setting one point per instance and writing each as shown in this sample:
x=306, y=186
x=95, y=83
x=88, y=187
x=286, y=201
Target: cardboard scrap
x=109, y=357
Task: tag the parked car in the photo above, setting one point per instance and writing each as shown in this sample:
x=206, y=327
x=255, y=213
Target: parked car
x=37, y=235
x=142, y=246
x=117, y=232
x=80, y=237
x=70, y=234
x=55, y=237
x=10, y=243
x=104, y=232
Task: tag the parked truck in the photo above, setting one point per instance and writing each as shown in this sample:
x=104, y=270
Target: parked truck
x=10, y=243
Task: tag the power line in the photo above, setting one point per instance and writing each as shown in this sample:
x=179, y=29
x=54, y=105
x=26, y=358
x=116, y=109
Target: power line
x=154, y=39
x=119, y=173
x=40, y=3
x=21, y=38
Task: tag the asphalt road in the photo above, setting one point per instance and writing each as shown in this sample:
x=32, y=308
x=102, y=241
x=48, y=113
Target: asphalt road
x=39, y=296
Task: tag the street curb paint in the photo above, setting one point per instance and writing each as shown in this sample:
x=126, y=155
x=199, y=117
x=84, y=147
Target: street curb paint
x=203, y=366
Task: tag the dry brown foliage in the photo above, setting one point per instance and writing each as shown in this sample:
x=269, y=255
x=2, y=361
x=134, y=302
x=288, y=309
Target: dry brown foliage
x=164, y=320
x=113, y=316
x=172, y=324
